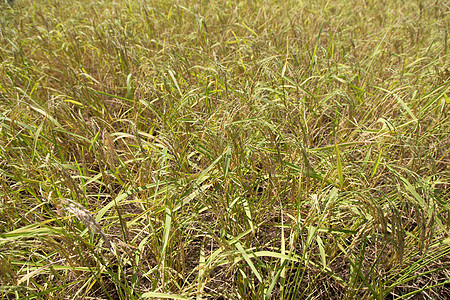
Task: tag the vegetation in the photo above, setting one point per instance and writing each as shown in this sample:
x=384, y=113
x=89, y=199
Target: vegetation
x=224, y=149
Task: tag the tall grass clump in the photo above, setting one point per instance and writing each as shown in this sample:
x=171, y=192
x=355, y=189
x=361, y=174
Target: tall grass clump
x=224, y=149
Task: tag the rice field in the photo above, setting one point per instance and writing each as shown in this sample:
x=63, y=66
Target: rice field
x=212, y=149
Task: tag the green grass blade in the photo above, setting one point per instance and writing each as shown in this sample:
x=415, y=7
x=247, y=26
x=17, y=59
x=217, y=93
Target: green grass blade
x=339, y=165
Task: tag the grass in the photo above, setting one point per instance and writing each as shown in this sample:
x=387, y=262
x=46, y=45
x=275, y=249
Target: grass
x=224, y=149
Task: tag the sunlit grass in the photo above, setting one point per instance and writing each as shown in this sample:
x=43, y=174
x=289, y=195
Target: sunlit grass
x=224, y=150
